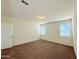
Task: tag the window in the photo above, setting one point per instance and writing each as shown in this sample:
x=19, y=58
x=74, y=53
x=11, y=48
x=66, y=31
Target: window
x=43, y=29
x=65, y=29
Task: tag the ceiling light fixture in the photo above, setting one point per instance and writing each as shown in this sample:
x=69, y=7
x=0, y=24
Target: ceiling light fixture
x=41, y=17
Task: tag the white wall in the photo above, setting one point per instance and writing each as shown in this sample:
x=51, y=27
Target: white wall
x=53, y=33
x=74, y=24
x=24, y=31
x=6, y=32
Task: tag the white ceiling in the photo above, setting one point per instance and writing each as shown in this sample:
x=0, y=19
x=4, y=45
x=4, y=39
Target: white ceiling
x=46, y=8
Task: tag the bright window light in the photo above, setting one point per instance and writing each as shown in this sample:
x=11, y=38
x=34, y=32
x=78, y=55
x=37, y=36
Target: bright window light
x=43, y=29
x=65, y=29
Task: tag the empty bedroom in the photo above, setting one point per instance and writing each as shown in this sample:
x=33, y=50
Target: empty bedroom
x=38, y=29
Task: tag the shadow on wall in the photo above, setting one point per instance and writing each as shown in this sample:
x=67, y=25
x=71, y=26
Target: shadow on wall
x=5, y=7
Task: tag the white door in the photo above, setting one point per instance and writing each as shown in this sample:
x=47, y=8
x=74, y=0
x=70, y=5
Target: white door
x=6, y=35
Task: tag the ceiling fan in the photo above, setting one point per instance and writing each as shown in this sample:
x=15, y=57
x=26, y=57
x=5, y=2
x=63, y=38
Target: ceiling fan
x=23, y=1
